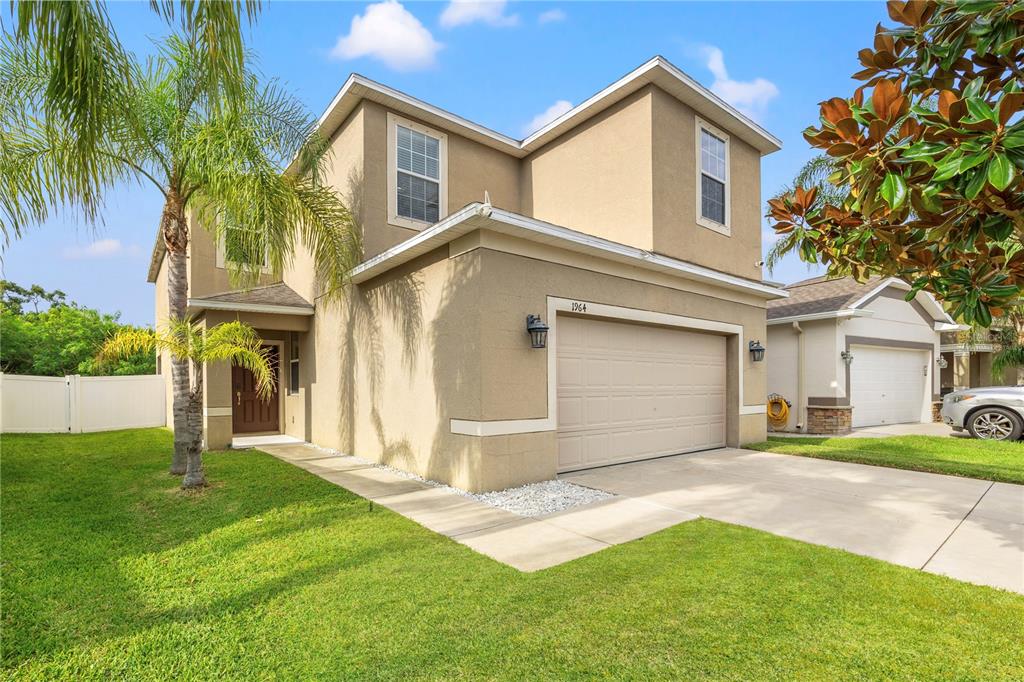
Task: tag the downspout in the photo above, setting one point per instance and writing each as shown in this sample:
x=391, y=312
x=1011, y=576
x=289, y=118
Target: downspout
x=800, y=409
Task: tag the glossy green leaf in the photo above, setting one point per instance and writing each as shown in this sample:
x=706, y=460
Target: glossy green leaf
x=1000, y=172
x=980, y=110
x=975, y=184
x=894, y=190
x=1014, y=140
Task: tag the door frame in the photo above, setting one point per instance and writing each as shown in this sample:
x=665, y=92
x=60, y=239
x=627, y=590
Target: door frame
x=280, y=398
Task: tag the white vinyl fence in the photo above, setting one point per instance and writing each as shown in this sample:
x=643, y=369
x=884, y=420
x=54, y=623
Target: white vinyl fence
x=77, y=404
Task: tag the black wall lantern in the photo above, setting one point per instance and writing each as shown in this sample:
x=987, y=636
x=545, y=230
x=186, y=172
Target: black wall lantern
x=756, y=351
x=537, y=330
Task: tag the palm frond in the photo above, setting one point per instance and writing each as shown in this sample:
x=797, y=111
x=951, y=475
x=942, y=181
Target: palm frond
x=215, y=30
x=241, y=345
x=1005, y=358
x=127, y=342
x=244, y=196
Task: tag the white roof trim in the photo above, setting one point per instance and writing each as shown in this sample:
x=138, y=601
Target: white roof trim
x=356, y=79
x=922, y=297
x=966, y=348
x=202, y=304
x=828, y=315
x=479, y=216
x=654, y=63
x=657, y=70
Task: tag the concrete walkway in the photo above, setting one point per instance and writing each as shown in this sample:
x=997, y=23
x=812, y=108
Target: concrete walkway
x=968, y=529
x=528, y=544
x=965, y=528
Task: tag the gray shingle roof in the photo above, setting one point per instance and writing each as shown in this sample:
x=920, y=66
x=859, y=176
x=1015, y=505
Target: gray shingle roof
x=820, y=295
x=273, y=294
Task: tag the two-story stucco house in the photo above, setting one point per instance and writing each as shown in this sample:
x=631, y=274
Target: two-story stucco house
x=630, y=225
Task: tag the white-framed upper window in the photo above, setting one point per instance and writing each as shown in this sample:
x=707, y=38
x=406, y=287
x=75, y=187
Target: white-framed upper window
x=233, y=248
x=417, y=174
x=712, y=178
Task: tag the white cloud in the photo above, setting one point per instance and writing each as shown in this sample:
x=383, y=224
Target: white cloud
x=389, y=32
x=463, y=12
x=551, y=16
x=547, y=116
x=101, y=248
x=750, y=97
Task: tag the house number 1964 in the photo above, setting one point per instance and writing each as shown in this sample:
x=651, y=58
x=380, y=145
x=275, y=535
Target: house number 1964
x=578, y=307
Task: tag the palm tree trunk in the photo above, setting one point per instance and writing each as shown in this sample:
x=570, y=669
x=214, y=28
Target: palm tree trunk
x=175, y=236
x=195, y=477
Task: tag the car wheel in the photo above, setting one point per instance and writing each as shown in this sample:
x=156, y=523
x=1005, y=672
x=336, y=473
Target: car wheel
x=995, y=423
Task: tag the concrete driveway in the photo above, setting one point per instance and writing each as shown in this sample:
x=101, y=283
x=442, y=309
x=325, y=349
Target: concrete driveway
x=968, y=529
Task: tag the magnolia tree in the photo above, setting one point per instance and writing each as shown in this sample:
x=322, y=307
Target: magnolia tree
x=929, y=153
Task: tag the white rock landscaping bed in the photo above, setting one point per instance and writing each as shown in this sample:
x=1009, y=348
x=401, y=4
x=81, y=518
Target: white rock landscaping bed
x=538, y=499
x=533, y=499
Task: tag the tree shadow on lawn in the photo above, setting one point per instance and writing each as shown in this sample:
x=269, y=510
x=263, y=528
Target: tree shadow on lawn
x=139, y=558
x=91, y=551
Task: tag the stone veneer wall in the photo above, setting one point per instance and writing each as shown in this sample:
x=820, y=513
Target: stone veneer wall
x=937, y=411
x=830, y=421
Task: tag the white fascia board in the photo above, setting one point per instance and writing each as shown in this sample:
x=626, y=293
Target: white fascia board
x=200, y=304
x=948, y=327
x=830, y=315
x=529, y=228
x=923, y=297
x=881, y=286
x=657, y=67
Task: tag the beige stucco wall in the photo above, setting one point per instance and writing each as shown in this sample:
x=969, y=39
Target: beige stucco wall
x=675, y=228
x=597, y=178
x=443, y=338
x=514, y=375
x=782, y=362
x=473, y=168
x=394, y=360
x=160, y=306
x=205, y=277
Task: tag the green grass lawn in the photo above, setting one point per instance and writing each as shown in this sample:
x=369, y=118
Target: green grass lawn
x=109, y=572
x=991, y=460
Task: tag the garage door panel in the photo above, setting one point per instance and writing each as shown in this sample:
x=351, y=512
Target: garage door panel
x=887, y=385
x=631, y=392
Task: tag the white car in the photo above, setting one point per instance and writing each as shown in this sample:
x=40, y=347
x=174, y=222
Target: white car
x=992, y=413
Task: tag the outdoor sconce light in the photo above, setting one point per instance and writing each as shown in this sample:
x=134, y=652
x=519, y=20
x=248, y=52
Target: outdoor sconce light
x=756, y=351
x=537, y=330
x=847, y=357
x=942, y=362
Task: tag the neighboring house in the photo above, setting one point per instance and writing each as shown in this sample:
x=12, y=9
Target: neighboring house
x=631, y=225
x=847, y=354
x=968, y=361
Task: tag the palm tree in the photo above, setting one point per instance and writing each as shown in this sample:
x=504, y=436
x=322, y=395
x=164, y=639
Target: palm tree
x=86, y=63
x=238, y=157
x=818, y=174
x=233, y=342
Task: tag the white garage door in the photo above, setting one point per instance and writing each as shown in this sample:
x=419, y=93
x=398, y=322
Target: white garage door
x=887, y=385
x=629, y=392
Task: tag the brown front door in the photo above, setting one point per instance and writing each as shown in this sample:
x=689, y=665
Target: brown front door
x=249, y=414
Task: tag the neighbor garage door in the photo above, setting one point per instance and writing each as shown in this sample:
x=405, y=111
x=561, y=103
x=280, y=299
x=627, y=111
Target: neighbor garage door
x=887, y=385
x=629, y=392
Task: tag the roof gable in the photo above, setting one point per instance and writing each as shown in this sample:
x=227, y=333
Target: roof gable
x=821, y=297
x=658, y=71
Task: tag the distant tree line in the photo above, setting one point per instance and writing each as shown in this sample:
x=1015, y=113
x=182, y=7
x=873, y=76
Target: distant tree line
x=44, y=334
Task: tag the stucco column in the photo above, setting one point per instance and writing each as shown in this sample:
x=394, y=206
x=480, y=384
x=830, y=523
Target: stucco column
x=961, y=370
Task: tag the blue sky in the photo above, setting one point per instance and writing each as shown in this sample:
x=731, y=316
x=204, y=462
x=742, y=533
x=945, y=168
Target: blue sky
x=502, y=65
